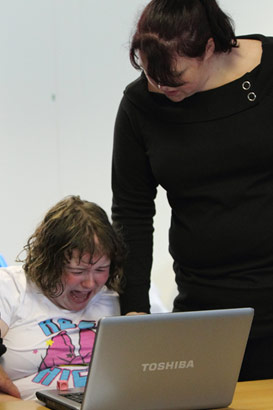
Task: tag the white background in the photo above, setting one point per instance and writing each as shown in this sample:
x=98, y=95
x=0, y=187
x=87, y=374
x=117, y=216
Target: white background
x=63, y=67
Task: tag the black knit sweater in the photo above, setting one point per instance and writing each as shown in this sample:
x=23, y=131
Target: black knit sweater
x=213, y=154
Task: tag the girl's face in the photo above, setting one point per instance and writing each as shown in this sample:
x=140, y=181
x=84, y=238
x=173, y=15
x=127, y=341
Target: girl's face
x=82, y=280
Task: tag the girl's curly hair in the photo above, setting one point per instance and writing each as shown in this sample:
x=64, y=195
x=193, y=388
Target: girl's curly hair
x=71, y=224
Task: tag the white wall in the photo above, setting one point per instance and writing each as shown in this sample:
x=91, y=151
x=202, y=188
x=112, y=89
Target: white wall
x=63, y=67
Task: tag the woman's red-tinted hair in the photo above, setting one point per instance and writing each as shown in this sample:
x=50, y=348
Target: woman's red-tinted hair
x=168, y=28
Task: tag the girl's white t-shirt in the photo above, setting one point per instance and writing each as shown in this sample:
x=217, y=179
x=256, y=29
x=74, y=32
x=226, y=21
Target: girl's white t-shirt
x=44, y=342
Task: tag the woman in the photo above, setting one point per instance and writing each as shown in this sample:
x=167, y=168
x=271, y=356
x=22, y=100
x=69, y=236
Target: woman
x=198, y=121
x=50, y=306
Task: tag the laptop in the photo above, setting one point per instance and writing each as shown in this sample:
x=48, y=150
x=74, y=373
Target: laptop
x=162, y=361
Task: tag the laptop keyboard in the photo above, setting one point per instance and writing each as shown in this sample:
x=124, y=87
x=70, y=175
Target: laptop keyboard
x=78, y=397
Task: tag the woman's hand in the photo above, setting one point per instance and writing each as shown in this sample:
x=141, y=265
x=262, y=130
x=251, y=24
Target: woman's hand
x=6, y=385
x=135, y=313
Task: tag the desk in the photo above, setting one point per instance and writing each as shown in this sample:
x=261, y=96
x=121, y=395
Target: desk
x=254, y=395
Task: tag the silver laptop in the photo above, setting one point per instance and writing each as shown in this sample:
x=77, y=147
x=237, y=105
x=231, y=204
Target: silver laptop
x=163, y=361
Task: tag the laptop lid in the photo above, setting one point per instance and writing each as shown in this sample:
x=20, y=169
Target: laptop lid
x=165, y=361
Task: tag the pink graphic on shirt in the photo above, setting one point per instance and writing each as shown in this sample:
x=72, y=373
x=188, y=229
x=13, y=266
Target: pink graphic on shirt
x=87, y=339
x=62, y=351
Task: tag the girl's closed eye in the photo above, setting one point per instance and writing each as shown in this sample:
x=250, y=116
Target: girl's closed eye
x=103, y=268
x=75, y=271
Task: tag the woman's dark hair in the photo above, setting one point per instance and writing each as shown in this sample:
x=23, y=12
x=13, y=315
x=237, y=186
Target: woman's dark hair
x=168, y=28
x=71, y=224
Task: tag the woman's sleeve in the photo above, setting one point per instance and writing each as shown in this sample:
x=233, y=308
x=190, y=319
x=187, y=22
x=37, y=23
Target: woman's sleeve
x=133, y=208
x=3, y=348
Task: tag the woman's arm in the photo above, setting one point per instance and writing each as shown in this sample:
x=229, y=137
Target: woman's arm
x=133, y=209
x=6, y=385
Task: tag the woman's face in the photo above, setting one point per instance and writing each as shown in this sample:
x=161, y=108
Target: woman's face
x=192, y=75
x=82, y=280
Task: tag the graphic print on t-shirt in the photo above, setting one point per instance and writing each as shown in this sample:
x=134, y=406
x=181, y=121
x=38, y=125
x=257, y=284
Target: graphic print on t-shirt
x=63, y=350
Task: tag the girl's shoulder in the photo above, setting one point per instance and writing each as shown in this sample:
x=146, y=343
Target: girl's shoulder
x=13, y=277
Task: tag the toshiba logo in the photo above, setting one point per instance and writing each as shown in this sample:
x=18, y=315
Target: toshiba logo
x=152, y=367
